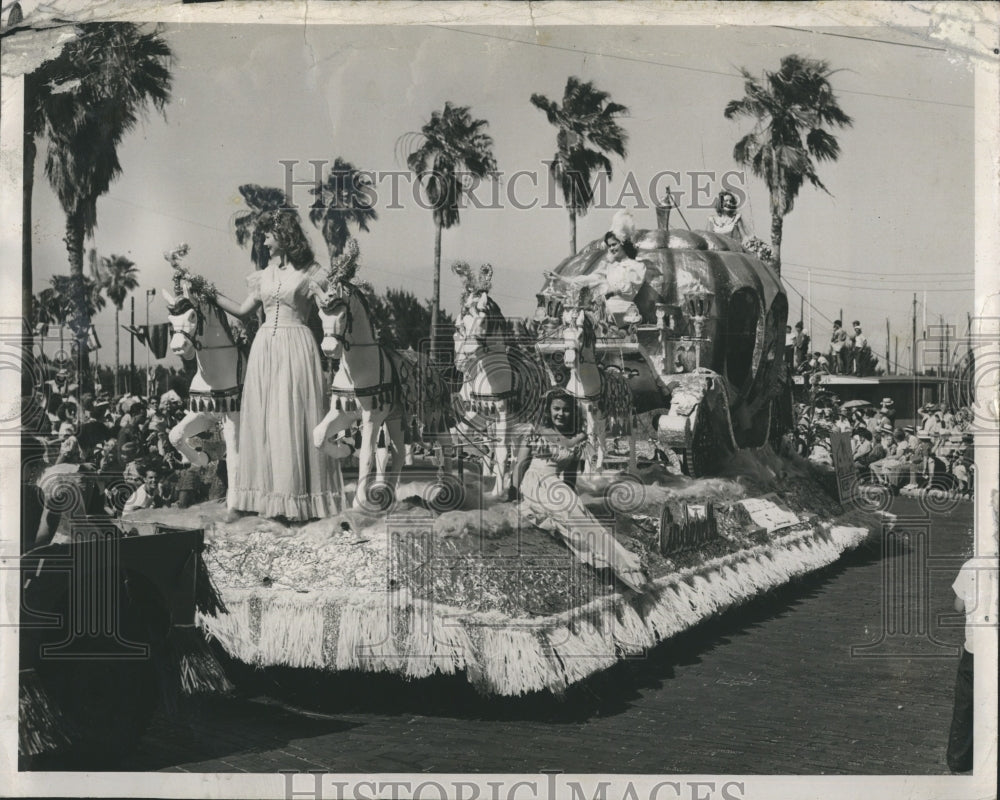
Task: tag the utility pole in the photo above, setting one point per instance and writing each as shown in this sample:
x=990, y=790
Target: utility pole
x=149, y=293
x=895, y=361
x=131, y=371
x=811, y=332
x=802, y=308
x=913, y=357
x=888, y=340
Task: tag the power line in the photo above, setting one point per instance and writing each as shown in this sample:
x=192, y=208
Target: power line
x=668, y=65
x=860, y=38
x=854, y=273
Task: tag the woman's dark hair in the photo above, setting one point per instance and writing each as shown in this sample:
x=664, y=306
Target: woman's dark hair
x=627, y=245
x=287, y=229
x=560, y=394
x=720, y=200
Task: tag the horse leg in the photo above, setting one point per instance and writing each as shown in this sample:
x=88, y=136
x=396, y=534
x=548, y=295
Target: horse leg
x=599, y=436
x=325, y=434
x=194, y=422
x=395, y=434
x=231, y=434
x=500, y=452
x=371, y=421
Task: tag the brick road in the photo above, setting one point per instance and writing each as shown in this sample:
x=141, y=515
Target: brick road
x=771, y=687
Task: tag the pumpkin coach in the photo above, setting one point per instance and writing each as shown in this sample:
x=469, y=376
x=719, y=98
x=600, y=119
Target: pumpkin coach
x=703, y=349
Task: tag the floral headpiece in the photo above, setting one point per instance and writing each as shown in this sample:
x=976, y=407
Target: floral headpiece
x=472, y=283
x=186, y=283
x=344, y=267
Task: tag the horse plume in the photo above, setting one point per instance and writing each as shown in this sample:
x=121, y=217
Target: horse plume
x=472, y=283
x=344, y=267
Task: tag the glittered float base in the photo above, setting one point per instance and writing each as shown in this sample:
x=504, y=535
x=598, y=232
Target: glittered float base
x=480, y=591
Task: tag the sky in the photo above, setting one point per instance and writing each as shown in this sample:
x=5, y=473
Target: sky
x=898, y=218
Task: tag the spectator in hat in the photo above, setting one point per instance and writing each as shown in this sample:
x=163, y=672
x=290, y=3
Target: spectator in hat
x=801, y=345
x=840, y=354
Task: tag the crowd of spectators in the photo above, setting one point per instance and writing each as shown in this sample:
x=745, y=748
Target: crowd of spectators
x=125, y=439
x=936, y=452
x=849, y=353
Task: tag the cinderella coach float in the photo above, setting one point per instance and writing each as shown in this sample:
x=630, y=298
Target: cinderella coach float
x=519, y=557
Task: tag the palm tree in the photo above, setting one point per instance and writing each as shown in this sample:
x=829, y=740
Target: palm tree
x=261, y=201
x=342, y=200
x=450, y=149
x=117, y=275
x=59, y=303
x=108, y=77
x=586, y=116
x=792, y=108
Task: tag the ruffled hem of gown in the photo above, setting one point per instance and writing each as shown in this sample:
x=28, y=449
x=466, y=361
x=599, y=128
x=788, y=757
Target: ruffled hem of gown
x=290, y=506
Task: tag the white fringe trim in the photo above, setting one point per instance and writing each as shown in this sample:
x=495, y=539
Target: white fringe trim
x=394, y=632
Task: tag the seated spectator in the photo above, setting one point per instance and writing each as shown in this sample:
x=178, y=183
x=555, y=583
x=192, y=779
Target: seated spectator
x=861, y=443
x=890, y=469
x=69, y=445
x=919, y=461
x=146, y=495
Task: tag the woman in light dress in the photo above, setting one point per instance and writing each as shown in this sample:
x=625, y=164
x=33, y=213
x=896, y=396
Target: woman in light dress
x=281, y=474
x=619, y=277
x=545, y=477
x=727, y=221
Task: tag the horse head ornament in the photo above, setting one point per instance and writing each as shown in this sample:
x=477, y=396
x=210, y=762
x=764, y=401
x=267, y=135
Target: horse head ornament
x=337, y=306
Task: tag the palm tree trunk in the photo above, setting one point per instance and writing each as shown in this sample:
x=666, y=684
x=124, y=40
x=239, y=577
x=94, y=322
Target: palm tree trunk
x=28, y=168
x=777, y=221
x=117, y=390
x=436, y=300
x=572, y=231
x=80, y=318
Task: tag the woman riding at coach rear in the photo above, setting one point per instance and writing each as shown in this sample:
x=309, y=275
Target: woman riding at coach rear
x=726, y=221
x=282, y=474
x=547, y=457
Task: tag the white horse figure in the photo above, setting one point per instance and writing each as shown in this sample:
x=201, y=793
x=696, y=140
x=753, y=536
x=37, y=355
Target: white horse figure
x=604, y=395
x=489, y=385
x=202, y=332
x=376, y=385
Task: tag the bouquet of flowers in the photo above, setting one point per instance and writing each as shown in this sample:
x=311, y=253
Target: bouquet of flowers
x=197, y=287
x=759, y=248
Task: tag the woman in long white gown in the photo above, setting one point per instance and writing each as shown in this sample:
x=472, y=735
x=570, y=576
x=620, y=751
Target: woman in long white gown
x=281, y=474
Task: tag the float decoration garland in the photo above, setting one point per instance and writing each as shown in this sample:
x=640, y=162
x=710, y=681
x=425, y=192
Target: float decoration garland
x=759, y=248
x=186, y=281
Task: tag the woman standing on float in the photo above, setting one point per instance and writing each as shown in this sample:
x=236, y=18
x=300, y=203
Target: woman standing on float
x=281, y=474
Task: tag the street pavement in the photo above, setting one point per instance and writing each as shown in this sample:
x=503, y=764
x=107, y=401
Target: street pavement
x=847, y=671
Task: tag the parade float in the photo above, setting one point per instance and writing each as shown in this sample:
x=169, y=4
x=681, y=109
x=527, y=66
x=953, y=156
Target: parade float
x=433, y=565
x=435, y=571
